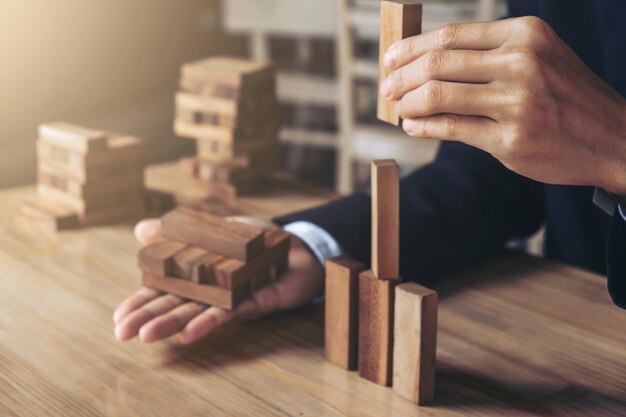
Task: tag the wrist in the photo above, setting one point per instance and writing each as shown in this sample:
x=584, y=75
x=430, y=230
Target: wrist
x=615, y=178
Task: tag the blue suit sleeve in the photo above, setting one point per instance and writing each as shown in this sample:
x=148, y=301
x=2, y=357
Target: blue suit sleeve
x=456, y=211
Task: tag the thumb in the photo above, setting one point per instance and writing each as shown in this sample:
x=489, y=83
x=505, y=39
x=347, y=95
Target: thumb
x=148, y=231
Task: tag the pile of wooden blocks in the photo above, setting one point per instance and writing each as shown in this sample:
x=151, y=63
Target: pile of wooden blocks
x=229, y=106
x=212, y=260
x=385, y=329
x=88, y=177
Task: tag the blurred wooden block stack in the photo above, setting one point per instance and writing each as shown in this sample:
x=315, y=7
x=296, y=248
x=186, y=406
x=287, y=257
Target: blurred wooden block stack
x=87, y=177
x=229, y=106
x=209, y=259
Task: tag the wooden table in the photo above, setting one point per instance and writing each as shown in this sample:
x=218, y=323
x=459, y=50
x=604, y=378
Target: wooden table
x=518, y=337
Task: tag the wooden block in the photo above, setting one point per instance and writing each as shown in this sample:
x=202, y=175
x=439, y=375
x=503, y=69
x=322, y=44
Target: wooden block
x=73, y=137
x=206, y=104
x=208, y=294
x=114, y=200
x=231, y=273
x=204, y=272
x=89, y=190
x=213, y=233
x=385, y=219
x=415, y=343
x=158, y=259
x=223, y=134
x=186, y=262
x=158, y=202
x=399, y=19
x=341, y=312
x=228, y=71
x=376, y=308
x=261, y=279
x=52, y=216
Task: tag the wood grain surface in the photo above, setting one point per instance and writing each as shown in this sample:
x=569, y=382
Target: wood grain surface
x=517, y=337
x=386, y=219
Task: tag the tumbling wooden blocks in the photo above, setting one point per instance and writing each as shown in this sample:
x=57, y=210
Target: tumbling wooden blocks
x=385, y=219
x=341, y=313
x=212, y=260
x=88, y=176
x=415, y=343
x=399, y=19
x=376, y=298
x=229, y=106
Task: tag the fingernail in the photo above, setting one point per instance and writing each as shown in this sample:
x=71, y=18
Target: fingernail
x=408, y=125
x=385, y=88
x=389, y=60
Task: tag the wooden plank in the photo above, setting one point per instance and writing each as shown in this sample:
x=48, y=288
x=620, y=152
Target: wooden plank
x=415, y=343
x=376, y=303
x=158, y=259
x=73, y=137
x=186, y=262
x=204, y=272
x=385, y=219
x=88, y=190
x=399, y=19
x=341, y=312
x=52, y=216
x=214, y=233
x=208, y=294
x=229, y=71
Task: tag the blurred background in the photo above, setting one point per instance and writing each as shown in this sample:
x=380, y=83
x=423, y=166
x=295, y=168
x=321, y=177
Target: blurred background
x=115, y=64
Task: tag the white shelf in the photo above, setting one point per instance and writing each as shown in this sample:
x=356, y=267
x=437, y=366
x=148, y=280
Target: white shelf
x=308, y=138
x=306, y=89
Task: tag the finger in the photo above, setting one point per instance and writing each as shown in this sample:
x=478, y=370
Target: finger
x=133, y=302
x=205, y=322
x=148, y=231
x=478, y=36
x=475, y=131
x=129, y=326
x=264, y=301
x=170, y=323
x=436, y=97
x=440, y=65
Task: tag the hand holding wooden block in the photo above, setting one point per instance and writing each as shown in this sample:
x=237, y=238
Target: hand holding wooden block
x=385, y=219
x=342, y=312
x=415, y=343
x=399, y=19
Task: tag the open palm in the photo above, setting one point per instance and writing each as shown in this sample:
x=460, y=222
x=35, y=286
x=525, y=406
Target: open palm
x=154, y=315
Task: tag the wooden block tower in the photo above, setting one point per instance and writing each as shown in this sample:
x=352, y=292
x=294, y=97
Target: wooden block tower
x=209, y=259
x=229, y=106
x=385, y=329
x=87, y=177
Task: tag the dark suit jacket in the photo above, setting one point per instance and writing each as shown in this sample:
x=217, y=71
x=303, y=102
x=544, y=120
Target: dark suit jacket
x=465, y=205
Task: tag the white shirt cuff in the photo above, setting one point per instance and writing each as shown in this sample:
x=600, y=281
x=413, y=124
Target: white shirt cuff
x=321, y=243
x=622, y=211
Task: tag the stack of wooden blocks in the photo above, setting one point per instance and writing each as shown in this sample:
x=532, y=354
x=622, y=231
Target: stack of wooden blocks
x=89, y=177
x=385, y=329
x=229, y=106
x=209, y=259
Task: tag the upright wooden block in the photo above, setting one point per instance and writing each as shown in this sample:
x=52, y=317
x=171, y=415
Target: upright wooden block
x=415, y=343
x=213, y=233
x=158, y=259
x=376, y=299
x=342, y=312
x=399, y=19
x=385, y=219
